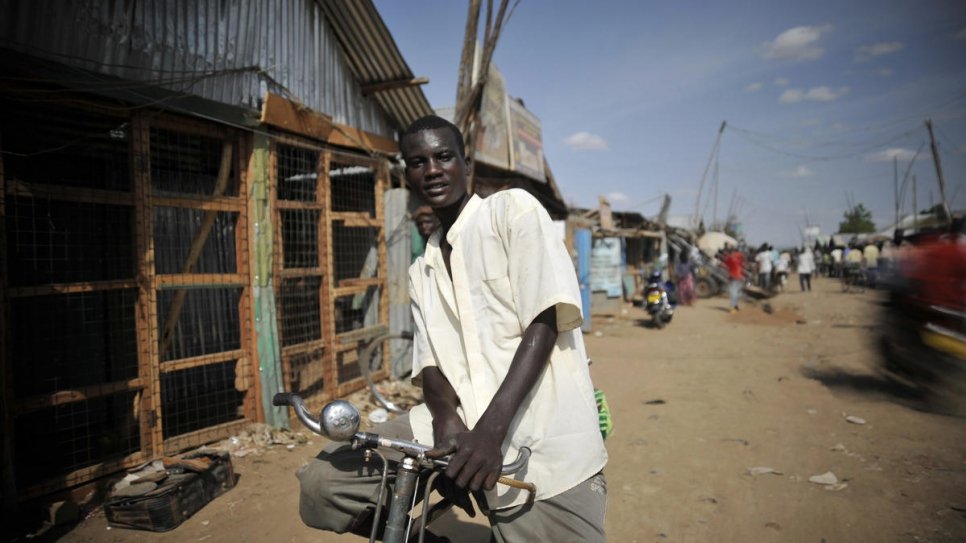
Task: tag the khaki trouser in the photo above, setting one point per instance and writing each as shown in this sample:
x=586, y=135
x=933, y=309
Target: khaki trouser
x=339, y=492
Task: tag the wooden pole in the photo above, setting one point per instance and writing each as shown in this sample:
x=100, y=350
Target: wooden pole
x=939, y=172
x=915, y=208
x=895, y=184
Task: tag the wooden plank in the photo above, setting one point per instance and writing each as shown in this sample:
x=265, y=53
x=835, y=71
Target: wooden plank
x=362, y=334
x=246, y=317
x=71, y=288
x=287, y=115
x=326, y=294
x=372, y=88
x=197, y=244
x=146, y=314
x=302, y=348
x=199, y=280
x=201, y=360
x=361, y=287
x=382, y=183
x=282, y=113
x=70, y=194
x=64, y=397
x=356, y=218
x=176, y=444
x=293, y=204
x=348, y=136
x=300, y=272
x=211, y=204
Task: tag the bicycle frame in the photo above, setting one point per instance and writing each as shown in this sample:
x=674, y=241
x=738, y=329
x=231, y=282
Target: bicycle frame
x=339, y=421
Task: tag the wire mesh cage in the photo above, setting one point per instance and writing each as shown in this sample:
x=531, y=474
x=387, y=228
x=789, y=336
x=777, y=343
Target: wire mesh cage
x=69, y=268
x=202, y=294
x=300, y=272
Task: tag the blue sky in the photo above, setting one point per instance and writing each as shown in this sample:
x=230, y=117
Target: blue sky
x=819, y=96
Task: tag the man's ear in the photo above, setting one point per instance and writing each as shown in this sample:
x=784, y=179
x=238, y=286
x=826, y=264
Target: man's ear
x=469, y=165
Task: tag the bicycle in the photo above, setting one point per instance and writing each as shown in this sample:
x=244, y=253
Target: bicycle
x=854, y=279
x=339, y=421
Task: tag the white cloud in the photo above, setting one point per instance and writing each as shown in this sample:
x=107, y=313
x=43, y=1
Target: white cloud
x=890, y=154
x=799, y=43
x=815, y=94
x=754, y=87
x=617, y=197
x=867, y=52
x=781, y=81
x=585, y=141
x=799, y=172
x=961, y=35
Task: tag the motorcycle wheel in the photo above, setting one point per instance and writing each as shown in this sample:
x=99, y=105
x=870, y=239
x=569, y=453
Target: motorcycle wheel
x=658, y=321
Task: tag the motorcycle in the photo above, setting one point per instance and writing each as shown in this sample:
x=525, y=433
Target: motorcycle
x=923, y=324
x=656, y=300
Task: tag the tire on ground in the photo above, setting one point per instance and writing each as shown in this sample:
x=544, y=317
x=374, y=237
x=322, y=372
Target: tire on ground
x=704, y=287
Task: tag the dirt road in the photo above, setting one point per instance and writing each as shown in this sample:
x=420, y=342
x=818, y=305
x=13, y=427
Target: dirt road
x=697, y=407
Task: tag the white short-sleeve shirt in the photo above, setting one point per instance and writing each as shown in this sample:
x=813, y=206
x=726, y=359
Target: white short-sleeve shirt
x=508, y=266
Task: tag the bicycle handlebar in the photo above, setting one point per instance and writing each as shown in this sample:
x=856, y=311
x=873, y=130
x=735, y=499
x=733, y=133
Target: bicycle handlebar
x=338, y=431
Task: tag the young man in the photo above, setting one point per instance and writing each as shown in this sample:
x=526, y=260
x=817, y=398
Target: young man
x=499, y=354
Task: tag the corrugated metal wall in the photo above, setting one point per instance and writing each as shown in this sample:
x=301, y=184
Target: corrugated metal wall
x=230, y=51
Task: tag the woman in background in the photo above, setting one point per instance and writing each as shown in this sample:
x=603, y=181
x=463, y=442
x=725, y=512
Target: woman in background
x=685, y=277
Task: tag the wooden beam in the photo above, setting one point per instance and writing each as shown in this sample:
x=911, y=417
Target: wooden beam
x=380, y=86
x=363, y=334
x=202, y=360
x=224, y=203
x=184, y=281
x=287, y=115
x=71, y=288
x=70, y=194
x=62, y=397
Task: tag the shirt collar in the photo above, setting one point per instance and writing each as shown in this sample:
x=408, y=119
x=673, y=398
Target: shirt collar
x=468, y=211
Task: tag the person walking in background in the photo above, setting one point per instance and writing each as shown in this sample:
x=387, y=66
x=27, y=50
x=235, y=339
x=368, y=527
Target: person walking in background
x=734, y=262
x=763, y=260
x=425, y=223
x=806, y=265
x=685, y=276
x=781, y=270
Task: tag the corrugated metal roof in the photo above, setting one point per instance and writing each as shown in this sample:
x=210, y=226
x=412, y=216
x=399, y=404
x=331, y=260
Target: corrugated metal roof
x=232, y=51
x=374, y=58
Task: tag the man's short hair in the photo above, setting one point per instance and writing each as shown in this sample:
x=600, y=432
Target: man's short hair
x=433, y=122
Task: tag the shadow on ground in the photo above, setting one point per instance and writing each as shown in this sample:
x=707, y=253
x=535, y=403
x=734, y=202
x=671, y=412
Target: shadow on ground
x=869, y=385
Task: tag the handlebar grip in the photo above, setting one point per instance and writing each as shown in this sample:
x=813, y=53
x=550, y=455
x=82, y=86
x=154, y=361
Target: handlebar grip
x=282, y=399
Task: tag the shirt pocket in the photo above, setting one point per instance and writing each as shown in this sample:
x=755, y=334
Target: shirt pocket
x=499, y=308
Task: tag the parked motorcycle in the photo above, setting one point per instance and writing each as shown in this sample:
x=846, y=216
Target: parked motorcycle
x=656, y=300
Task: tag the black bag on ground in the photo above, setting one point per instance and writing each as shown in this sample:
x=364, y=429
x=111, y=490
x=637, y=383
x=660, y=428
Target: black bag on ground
x=185, y=487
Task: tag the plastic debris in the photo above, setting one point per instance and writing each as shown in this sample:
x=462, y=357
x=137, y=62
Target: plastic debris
x=827, y=478
x=763, y=470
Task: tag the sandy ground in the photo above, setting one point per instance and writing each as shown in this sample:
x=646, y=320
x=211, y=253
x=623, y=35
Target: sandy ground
x=696, y=406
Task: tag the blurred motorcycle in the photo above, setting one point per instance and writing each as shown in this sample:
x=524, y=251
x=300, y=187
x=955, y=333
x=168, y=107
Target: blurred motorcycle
x=924, y=321
x=656, y=301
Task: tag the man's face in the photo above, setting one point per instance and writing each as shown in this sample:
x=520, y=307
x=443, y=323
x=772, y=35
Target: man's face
x=434, y=166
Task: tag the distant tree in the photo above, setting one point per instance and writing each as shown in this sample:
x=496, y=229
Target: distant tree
x=857, y=220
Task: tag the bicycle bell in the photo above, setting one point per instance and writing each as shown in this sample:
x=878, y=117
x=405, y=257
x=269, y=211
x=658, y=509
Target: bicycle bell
x=339, y=420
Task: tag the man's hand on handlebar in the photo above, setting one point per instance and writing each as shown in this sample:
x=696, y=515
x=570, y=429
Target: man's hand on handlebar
x=476, y=458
